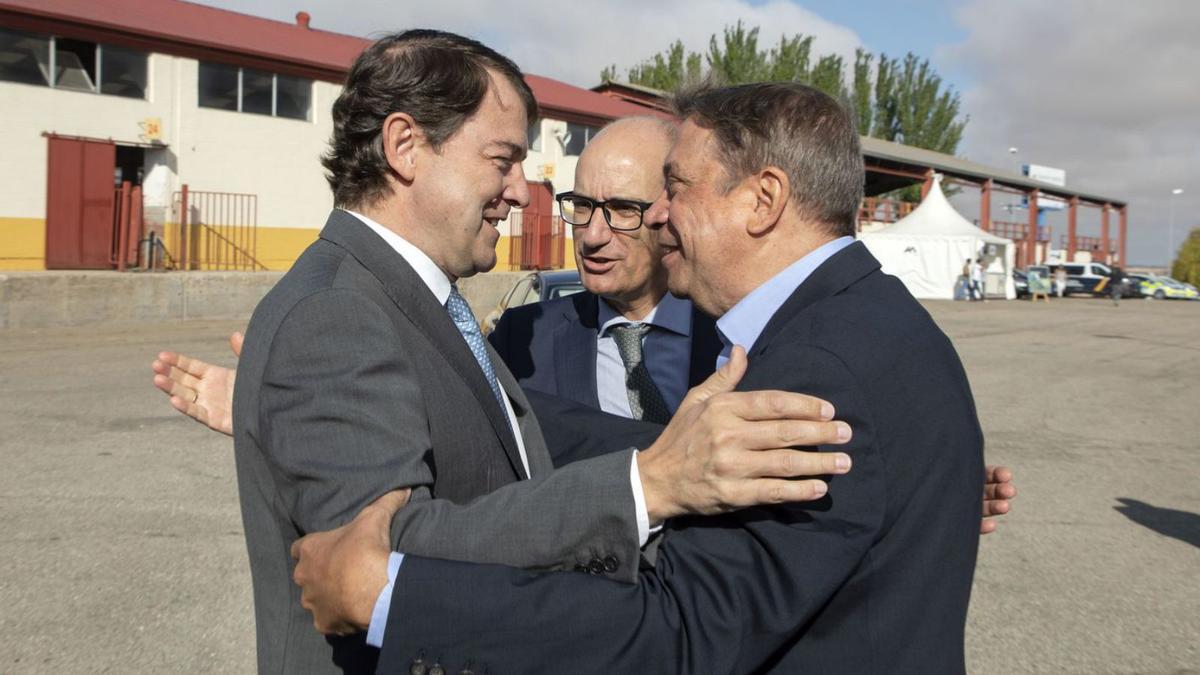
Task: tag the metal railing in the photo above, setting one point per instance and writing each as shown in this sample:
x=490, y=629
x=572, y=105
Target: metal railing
x=216, y=230
x=128, y=226
x=878, y=210
x=536, y=245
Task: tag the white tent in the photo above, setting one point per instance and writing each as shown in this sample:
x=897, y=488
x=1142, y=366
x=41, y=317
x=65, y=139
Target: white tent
x=927, y=248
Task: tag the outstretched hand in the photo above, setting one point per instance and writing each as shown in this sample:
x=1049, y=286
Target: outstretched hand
x=198, y=389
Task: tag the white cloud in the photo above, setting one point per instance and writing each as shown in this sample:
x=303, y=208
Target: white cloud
x=1107, y=91
x=570, y=41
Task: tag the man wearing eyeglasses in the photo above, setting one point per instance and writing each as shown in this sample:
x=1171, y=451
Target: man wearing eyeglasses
x=626, y=346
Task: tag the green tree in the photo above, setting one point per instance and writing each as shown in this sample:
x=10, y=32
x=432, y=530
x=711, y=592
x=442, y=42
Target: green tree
x=667, y=71
x=1187, y=264
x=902, y=100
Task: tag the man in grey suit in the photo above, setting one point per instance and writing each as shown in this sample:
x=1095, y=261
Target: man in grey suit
x=363, y=371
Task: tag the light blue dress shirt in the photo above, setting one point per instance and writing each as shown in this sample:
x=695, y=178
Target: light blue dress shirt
x=667, y=353
x=745, y=321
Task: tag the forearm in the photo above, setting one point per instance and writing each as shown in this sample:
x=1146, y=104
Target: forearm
x=573, y=516
x=575, y=432
x=726, y=594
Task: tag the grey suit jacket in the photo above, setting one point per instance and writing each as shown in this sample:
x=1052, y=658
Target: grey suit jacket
x=353, y=382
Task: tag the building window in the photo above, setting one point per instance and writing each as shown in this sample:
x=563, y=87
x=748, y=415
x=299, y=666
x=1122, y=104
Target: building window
x=254, y=91
x=72, y=64
x=218, y=87
x=123, y=72
x=535, y=136
x=24, y=58
x=578, y=136
x=293, y=97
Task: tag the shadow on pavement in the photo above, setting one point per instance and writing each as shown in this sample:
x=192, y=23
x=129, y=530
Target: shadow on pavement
x=1180, y=525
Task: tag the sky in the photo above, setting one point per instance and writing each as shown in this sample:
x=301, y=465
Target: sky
x=1106, y=89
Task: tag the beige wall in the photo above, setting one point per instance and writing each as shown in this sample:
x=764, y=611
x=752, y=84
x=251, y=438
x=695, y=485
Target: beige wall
x=276, y=159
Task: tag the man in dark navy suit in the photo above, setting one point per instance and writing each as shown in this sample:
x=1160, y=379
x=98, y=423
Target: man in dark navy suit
x=626, y=346
x=763, y=184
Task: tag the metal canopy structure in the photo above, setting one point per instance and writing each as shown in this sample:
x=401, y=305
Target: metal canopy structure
x=893, y=165
x=890, y=166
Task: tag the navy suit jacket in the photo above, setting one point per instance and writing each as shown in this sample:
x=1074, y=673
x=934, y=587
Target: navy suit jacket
x=873, y=578
x=550, y=346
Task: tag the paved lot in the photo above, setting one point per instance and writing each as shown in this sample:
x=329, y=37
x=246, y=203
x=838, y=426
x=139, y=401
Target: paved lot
x=121, y=547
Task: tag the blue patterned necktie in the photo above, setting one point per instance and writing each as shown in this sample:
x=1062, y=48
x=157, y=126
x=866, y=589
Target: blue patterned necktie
x=464, y=320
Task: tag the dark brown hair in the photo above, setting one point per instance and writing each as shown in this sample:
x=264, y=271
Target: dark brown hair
x=439, y=78
x=801, y=130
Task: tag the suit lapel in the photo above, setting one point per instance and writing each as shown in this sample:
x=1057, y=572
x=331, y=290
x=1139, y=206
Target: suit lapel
x=706, y=346
x=834, y=275
x=536, y=451
x=412, y=297
x=574, y=342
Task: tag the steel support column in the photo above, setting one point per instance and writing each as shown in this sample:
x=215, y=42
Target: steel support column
x=1121, y=229
x=1105, y=245
x=985, y=206
x=1031, y=234
x=1072, y=229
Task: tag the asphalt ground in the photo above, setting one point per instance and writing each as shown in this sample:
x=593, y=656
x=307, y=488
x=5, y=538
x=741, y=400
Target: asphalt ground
x=121, y=547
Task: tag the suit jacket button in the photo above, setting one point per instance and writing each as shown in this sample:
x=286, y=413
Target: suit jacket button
x=437, y=669
x=611, y=564
x=418, y=668
x=596, y=566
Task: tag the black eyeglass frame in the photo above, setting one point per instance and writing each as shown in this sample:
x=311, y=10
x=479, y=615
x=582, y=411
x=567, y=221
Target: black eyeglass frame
x=603, y=206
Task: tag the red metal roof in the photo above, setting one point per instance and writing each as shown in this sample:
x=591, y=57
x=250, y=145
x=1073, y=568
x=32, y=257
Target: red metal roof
x=199, y=31
x=555, y=96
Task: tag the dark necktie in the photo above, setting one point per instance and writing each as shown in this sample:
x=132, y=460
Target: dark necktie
x=464, y=320
x=645, y=401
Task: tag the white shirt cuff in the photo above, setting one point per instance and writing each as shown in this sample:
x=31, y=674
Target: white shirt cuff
x=383, y=604
x=639, y=504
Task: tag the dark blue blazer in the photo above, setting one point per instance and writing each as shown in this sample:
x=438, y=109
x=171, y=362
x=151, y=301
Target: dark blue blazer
x=550, y=346
x=873, y=578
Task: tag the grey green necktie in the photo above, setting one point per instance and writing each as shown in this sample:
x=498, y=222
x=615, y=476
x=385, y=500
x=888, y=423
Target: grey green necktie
x=645, y=401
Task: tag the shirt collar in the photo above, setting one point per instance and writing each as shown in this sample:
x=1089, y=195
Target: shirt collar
x=671, y=313
x=422, y=264
x=745, y=321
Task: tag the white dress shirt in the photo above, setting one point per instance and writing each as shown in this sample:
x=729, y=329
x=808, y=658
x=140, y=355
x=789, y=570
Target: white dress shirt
x=439, y=284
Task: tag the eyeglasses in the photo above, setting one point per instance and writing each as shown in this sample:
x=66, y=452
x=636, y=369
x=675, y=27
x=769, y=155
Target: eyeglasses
x=621, y=214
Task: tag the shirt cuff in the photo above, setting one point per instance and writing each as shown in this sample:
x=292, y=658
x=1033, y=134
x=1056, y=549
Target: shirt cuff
x=639, y=504
x=383, y=604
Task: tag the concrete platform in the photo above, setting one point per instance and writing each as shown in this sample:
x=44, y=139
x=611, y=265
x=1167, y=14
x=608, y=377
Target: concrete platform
x=61, y=299
x=121, y=546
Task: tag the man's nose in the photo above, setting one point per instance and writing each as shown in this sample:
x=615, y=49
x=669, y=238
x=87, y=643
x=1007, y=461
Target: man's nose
x=659, y=212
x=516, y=190
x=596, y=233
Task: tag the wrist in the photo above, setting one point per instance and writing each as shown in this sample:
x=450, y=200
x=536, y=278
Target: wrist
x=659, y=506
x=365, y=591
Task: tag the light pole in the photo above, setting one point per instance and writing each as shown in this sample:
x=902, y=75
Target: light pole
x=1171, y=228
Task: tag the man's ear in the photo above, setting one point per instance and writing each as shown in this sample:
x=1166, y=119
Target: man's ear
x=401, y=138
x=772, y=190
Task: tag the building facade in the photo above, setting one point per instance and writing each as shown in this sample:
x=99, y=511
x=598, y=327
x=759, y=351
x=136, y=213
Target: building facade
x=152, y=97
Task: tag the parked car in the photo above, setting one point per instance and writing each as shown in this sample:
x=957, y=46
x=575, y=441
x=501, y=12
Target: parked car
x=1021, y=281
x=534, y=287
x=1166, y=287
x=1145, y=284
x=1093, y=278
